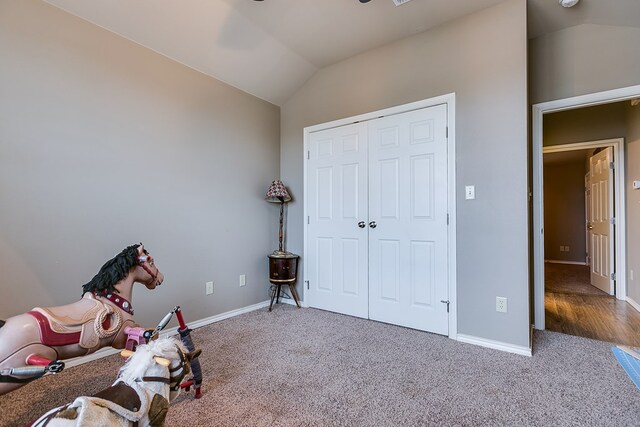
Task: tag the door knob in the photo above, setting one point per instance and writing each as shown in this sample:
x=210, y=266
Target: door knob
x=589, y=227
x=362, y=224
x=373, y=224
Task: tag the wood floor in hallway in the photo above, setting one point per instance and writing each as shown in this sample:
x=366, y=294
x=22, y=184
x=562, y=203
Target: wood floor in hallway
x=573, y=306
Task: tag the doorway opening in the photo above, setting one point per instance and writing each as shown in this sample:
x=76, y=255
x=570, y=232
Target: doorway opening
x=582, y=198
x=570, y=248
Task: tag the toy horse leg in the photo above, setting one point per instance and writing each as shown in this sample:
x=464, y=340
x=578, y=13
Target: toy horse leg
x=21, y=368
x=185, y=337
x=25, y=366
x=19, y=339
x=37, y=367
x=50, y=366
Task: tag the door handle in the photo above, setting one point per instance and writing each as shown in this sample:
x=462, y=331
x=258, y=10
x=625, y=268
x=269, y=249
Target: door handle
x=589, y=227
x=373, y=224
x=362, y=224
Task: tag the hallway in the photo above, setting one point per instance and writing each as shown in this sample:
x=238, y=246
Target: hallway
x=574, y=307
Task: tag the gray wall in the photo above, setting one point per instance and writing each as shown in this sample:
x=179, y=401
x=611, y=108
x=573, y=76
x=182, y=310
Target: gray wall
x=585, y=124
x=583, y=59
x=104, y=143
x=633, y=202
x=564, y=211
x=482, y=58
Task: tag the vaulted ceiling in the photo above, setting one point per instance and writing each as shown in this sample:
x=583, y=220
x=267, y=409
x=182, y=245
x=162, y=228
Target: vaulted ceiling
x=270, y=48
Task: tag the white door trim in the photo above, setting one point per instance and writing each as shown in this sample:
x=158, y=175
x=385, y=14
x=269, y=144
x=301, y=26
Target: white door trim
x=538, y=110
x=449, y=100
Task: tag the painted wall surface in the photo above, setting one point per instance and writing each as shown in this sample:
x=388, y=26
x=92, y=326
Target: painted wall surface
x=104, y=143
x=583, y=59
x=633, y=203
x=482, y=58
x=595, y=123
x=564, y=211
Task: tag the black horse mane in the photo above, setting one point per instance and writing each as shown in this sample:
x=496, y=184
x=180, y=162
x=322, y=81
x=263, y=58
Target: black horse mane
x=113, y=271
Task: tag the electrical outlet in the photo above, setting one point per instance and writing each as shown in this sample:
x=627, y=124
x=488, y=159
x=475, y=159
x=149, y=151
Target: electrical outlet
x=501, y=304
x=243, y=280
x=470, y=192
x=208, y=288
x=566, y=248
x=561, y=248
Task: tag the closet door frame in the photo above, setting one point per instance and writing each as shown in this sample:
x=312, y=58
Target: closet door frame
x=449, y=100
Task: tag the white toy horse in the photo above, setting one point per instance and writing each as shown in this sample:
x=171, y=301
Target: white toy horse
x=148, y=381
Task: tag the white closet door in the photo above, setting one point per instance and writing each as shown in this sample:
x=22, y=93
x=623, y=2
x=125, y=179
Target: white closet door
x=336, y=203
x=408, y=255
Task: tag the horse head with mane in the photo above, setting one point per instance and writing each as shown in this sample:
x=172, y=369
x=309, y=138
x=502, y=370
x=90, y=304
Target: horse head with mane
x=46, y=335
x=141, y=394
x=119, y=267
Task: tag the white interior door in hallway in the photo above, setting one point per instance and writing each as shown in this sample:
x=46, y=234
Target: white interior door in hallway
x=377, y=204
x=601, y=222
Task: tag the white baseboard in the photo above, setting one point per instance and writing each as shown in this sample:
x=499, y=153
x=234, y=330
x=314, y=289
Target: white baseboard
x=218, y=317
x=104, y=352
x=496, y=345
x=555, y=261
x=633, y=304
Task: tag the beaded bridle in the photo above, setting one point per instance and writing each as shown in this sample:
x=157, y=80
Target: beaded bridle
x=142, y=259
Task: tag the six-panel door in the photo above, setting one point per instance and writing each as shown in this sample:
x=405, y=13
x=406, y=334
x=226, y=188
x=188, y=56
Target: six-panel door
x=408, y=201
x=336, y=204
x=377, y=202
x=601, y=227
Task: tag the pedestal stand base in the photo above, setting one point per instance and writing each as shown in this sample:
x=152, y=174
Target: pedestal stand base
x=283, y=268
x=276, y=294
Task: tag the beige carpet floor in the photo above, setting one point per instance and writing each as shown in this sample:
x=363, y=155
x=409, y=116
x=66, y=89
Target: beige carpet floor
x=307, y=367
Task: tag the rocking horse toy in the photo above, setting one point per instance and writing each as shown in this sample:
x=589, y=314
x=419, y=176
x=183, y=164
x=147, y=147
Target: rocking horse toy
x=35, y=343
x=137, y=336
x=140, y=396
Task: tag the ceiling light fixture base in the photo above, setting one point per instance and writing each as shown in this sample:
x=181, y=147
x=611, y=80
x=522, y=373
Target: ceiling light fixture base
x=568, y=3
